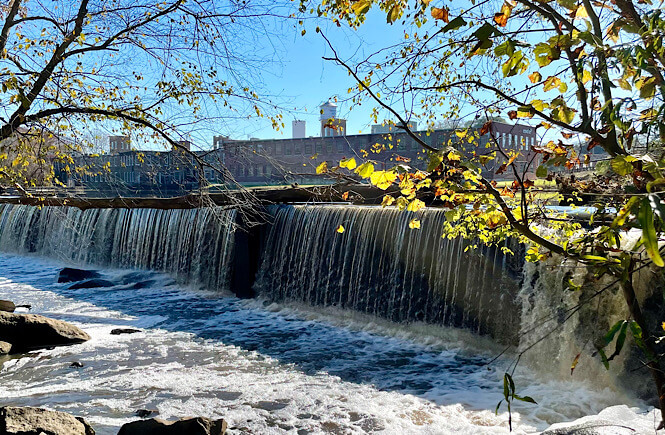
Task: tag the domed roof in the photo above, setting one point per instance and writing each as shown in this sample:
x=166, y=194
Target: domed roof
x=328, y=103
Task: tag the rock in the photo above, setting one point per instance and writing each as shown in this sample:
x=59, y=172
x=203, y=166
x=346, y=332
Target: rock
x=119, y=331
x=7, y=306
x=10, y=307
x=598, y=427
x=92, y=283
x=5, y=347
x=143, y=413
x=190, y=426
x=77, y=364
x=615, y=420
x=37, y=421
x=69, y=274
x=142, y=284
x=31, y=331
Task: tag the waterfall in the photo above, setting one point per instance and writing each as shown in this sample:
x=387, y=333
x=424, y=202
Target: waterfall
x=194, y=245
x=380, y=266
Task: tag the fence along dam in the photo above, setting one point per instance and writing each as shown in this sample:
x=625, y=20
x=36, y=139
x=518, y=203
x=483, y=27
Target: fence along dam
x=394, y=277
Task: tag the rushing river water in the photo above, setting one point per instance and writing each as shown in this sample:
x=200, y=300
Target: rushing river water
x=266, y=368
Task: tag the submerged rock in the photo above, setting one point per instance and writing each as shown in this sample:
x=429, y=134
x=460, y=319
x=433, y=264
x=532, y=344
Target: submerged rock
x=31, y=331
x=190, y=426
x=92, y=283
x=119, y=331
x=37, y=421
x=143, y=413
x=70, y=274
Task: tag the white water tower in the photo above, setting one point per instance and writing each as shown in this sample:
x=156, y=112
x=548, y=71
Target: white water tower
x=330, y=125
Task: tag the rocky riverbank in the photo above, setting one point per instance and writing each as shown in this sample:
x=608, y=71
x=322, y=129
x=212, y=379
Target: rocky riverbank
x=23, y=332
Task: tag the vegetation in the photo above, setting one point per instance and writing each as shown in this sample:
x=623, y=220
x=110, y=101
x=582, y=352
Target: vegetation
x=156, y=69
x=589, y=74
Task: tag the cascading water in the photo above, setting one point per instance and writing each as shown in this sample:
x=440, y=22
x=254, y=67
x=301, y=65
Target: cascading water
x=380, y=266
x=279, y=368
x=194, y=245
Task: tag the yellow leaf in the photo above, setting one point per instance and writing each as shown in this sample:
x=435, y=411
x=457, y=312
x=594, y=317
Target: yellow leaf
x=323, y=167
x=535, y=77
x=365, y=170
x=552, y=83
x=586, y=76
x=383, y=179
x=387, y=200
x=361, y=7
x=415, y=205
x=349, y=164
x=340, y=229
x=454, y=155
x=401, y=203
x=414, y=224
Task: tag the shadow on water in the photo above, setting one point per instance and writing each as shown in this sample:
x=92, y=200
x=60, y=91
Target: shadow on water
x=387, y=363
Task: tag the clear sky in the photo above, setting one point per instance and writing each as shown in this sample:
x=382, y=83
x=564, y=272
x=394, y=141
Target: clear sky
x=303, y=80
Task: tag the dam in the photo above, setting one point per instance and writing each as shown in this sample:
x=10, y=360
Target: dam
x=376, y=328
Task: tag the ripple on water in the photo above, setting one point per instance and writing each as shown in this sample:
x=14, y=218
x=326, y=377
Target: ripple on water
x=265, y=368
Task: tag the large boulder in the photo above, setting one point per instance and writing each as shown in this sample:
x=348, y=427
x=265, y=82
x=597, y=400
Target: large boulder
x=189, y=426
x=30, y=331
x=70, y=274
x=92, y=283
x=37, y=421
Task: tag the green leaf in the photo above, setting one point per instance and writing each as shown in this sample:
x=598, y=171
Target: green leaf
x=622, y=216
x=593, y=258
x=528, y=399
x=435, y=160
x=541, y=172
x=609, y=336
x=507, y=48
x=649, y=236
x=621, y=339
x=622, y=165
x=455, y=24
x=545, y=54
x=603, y=358
x=496, y=411
x=485, y=32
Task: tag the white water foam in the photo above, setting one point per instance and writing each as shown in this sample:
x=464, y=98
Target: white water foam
x=266, y=368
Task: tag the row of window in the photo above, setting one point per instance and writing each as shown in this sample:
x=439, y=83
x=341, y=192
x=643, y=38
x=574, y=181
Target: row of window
x=515, y=141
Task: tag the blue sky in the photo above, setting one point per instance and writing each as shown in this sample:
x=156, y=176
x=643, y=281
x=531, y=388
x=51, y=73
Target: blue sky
x=304, y=80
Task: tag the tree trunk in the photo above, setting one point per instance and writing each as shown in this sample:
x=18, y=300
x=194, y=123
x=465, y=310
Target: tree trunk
x=653, y=364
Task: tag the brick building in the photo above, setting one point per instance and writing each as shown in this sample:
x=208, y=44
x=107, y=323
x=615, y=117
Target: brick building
x=283, y=161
